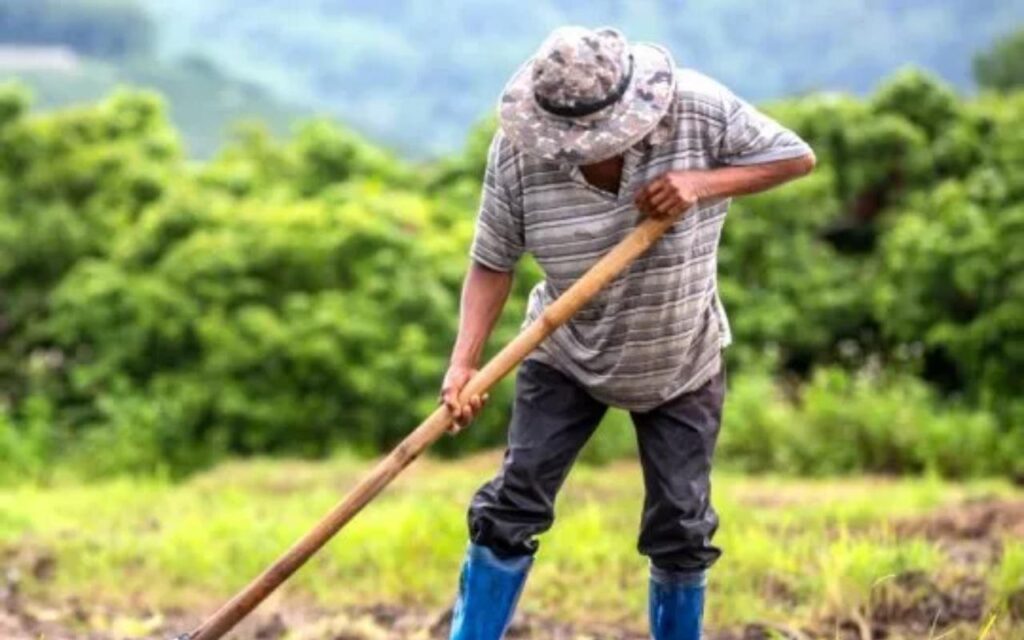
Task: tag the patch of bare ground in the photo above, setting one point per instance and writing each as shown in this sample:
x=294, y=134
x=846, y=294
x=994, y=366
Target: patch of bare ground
x=917, y=605
x=970, y=533
x=980, y=519
x=382, y=622
x=68, y=621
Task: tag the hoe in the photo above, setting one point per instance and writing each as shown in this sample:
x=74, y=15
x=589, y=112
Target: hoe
x=436, y=424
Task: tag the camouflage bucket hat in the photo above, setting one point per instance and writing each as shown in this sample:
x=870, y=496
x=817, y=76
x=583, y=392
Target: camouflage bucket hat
x=586, y=95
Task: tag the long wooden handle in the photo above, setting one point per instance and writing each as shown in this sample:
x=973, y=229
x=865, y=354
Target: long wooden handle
x=555, y=315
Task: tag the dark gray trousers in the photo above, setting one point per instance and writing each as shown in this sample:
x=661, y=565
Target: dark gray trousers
x=553, y=417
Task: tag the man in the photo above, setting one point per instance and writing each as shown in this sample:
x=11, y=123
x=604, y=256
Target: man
x=594, y=133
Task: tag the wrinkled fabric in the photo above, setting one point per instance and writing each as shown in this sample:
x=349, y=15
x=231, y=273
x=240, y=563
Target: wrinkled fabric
x=489, y=588
x=577, y=66
x=552, y=418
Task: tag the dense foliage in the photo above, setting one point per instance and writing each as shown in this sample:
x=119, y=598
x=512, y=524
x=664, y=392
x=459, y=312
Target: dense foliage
x=1002, y=67
x=302, y=296
x=416, y=73
x=865, y=421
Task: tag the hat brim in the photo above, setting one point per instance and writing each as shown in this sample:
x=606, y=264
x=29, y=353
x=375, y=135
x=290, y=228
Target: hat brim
x=600, y=136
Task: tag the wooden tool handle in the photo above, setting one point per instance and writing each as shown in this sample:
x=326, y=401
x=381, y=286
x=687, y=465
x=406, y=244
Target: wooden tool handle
x=555, y=315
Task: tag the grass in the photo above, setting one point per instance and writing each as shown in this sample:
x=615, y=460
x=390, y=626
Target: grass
x=796, y=552
x=1008, y=579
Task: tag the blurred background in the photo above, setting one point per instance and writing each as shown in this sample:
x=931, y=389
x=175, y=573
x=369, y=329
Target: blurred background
x=232, y=237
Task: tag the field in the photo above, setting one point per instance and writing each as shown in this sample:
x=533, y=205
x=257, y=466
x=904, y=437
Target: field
x=205, y=336
x=854, y=558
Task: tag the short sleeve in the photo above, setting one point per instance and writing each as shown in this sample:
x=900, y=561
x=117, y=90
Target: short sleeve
x=498, y=239
x=750, y=137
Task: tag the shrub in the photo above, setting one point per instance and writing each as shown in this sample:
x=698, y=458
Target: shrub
x=952, y=278
x=1001, y=67
x=27, y=441
x=260, y=327
x=301, y=296
x=861, y=422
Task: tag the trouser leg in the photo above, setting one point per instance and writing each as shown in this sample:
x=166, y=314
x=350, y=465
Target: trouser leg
x=552, y=418
x=676, y=443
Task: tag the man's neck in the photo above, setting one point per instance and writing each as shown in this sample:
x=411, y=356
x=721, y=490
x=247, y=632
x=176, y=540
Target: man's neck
x=605, y=175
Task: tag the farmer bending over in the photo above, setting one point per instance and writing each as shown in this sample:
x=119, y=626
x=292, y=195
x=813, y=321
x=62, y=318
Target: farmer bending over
x=594, y=133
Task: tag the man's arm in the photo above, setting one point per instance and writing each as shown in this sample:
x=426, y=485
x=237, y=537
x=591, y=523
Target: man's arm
x=676, y=191
x=484, y=293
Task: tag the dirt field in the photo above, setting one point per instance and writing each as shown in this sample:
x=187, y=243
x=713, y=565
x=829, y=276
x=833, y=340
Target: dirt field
x=864, y=558
x=914, y=606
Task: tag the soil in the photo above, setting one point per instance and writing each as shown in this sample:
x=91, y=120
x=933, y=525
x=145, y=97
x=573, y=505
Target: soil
x=980, y=519
x=912, y=605
x=383, y=622
x=932, y=614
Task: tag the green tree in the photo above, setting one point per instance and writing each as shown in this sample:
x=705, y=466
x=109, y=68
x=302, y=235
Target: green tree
x=69, y=184
x=302, y=295
x=953, y=280
x=250, y=326
x=1002, y=66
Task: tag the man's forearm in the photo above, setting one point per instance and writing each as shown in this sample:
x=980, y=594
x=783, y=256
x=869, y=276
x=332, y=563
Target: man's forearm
x=484, y=293
x=726, y=182
x=677, y=191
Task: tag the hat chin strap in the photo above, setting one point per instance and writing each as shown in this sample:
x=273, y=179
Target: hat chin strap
x=580, y=109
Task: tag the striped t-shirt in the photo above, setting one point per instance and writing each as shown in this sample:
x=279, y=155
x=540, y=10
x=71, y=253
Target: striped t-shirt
x=659, y=328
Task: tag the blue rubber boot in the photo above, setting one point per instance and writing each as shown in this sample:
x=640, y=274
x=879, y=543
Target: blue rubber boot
x=676, y=604
x=489, y=588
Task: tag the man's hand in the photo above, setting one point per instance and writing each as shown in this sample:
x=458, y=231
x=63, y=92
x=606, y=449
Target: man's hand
x=483, y=295
x=456, y=378
x=671, y=194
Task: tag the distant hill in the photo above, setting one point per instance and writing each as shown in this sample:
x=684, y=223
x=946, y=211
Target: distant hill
x=204, y=103
x=416, y=73
x=73, y=51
